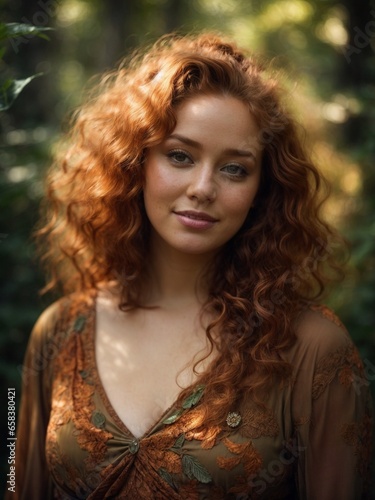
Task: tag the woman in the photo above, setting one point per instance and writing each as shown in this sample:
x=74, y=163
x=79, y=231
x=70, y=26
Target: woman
x=189, y=357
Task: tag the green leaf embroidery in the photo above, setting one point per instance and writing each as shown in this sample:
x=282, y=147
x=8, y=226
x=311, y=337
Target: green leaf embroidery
x=79, y=323
x=98, y=419
x=193, y=469
x=172, y=418
x=188, y=403
x=193, y=399
x=84, y=373
x=164, y=474
x=179, y=442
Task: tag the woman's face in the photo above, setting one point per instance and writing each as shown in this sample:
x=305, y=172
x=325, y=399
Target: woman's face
x=200, y=182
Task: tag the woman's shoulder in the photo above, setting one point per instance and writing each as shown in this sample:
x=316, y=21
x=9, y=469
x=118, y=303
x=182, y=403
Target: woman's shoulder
x=67, y=311
x=322, y=353
x=322, y=342
x=51, y=332
x=318, y=328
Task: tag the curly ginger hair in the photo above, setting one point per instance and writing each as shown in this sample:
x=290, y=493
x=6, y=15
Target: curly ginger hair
x=97, y=229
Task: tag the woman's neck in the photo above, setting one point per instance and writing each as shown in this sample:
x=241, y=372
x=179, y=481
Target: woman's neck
x=175, y=277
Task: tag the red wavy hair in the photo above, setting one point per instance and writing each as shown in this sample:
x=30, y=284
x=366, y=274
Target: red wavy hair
x=97, y=230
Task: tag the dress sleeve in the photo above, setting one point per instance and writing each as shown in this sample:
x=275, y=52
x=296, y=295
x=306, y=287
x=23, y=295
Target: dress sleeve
x=335, y=419
x=31, y=472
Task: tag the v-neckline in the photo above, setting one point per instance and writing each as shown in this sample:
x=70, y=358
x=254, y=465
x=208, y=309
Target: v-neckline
x=103, y=394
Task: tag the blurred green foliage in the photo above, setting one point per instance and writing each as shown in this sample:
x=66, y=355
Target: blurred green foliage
x=9, y=87
x=326, y=46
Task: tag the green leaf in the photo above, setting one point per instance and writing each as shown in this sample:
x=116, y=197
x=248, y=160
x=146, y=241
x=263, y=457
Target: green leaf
x=84, y=373
x=98, y=419
x=15, y=30
x=193, y=469
x=164, y=474
x=172, y=418
x=79, y=323
x=179, y=443
x=10, y=89
x=193, y=399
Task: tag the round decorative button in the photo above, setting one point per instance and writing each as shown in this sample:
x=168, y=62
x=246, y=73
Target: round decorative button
x=233, y=419
x=134, y=446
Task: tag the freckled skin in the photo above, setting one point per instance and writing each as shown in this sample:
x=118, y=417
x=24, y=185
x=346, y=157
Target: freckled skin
x=206, y=165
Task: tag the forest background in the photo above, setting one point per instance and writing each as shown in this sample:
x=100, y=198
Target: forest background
x=327, y=51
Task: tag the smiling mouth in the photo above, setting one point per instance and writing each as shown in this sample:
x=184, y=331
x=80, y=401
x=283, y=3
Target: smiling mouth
x=199, y=216
x=195, y=221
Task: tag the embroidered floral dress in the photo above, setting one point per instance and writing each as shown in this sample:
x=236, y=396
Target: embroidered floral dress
x=311, y=442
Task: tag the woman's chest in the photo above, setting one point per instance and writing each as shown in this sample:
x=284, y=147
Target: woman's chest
x=144, y=361
x=89, y=448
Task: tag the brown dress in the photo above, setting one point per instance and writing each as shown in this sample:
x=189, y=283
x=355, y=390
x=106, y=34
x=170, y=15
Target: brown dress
x=312, y=441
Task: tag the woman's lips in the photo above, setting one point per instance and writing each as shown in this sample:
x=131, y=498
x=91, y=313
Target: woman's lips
x=195, y=220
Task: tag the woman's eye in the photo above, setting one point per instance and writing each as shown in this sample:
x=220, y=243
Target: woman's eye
x=235, y=170
x=179, y=157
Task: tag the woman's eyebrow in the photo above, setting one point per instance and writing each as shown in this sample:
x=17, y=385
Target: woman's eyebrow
x=198, y=145
x=185, y=140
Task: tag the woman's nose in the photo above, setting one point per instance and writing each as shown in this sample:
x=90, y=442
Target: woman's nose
x=202, y=184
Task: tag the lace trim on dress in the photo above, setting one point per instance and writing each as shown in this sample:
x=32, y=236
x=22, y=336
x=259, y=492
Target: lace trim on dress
x=359, y=435
x=257, y=422
x=345, y=362
x=91, y=435
x=73, y=405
